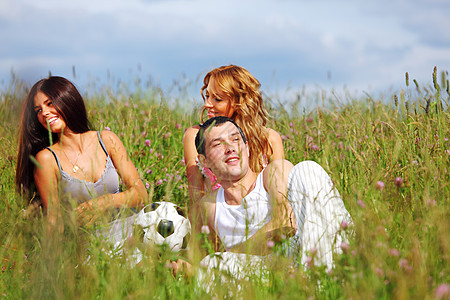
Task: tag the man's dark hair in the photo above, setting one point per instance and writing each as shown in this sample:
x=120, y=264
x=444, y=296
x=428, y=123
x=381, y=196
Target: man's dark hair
x=200, y=137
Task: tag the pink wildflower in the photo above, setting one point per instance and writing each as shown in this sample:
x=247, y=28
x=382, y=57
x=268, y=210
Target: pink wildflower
x=345, y=247
x=431, y=202
x=270, y=244
x=178, y=126
x=344, y=224
x=403, y=263
x=147, y=185
x=309, y=261
x=394, y=252
x=379, y=185
x=442, y=291
x=148, y=143
x=107, y=128
x=398, y=182
x=314, y=147
x=361, y=203
x=159, y=182
x=205, y=229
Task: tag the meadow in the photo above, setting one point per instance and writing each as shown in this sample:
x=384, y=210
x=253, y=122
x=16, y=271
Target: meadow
x=388, y=157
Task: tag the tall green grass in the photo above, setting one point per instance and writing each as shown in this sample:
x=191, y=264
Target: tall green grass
x=389, y=158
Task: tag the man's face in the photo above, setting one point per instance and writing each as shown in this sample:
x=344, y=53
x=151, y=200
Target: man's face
x=226, y=152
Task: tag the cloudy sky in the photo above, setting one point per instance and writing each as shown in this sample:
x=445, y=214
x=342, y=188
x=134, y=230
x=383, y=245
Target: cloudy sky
x=286, y=44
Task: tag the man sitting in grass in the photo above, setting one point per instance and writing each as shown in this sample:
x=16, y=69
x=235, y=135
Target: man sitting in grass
x=251, y=212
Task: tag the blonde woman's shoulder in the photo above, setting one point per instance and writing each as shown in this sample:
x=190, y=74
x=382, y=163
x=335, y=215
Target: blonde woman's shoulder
x=190, y=133
x=276, y=143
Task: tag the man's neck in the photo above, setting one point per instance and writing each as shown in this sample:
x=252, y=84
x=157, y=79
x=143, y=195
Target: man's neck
x=235, y=191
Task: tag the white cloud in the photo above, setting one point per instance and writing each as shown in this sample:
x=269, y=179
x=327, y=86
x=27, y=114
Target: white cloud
x=361, y=43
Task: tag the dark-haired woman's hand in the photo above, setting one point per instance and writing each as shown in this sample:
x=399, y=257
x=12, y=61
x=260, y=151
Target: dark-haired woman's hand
x=86, y=213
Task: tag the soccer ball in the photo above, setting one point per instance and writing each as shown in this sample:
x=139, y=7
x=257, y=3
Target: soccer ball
x=164, y=223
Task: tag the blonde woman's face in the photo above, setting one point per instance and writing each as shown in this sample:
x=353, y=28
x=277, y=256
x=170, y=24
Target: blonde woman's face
x=216, y=102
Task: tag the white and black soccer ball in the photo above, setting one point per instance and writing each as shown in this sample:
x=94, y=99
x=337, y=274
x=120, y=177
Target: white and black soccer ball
x=164, y=223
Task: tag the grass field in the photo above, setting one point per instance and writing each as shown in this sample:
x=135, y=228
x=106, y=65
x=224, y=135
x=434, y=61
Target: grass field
x=388, y=157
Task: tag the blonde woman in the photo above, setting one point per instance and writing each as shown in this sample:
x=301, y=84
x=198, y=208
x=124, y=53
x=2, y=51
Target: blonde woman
x=233, y=92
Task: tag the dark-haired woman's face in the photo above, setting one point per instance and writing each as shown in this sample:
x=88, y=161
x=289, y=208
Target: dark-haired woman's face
x=46, y=113
x=217, y=103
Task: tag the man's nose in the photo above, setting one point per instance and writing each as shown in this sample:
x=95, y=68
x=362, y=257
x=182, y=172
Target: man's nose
x=229, y=148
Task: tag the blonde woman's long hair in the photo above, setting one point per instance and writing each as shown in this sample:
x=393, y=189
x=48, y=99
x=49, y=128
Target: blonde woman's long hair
x=250, y=113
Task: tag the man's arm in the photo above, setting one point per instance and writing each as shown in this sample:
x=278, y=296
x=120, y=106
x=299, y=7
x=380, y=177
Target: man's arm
x=282, y=224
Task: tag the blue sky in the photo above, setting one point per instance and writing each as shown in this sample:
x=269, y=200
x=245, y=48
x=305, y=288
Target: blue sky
x=287, y=45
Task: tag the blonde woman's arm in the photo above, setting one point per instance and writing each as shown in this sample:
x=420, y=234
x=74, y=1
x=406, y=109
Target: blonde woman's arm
x=196, y=182
x=277, y=145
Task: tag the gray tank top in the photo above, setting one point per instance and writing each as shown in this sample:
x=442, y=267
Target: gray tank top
x=81, y=190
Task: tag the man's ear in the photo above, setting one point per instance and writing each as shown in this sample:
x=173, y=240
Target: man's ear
x=202, y=161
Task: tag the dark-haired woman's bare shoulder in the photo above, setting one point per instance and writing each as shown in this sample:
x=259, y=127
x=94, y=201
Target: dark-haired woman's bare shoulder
x=45, y=157
x=46, y=166
x=111, y=141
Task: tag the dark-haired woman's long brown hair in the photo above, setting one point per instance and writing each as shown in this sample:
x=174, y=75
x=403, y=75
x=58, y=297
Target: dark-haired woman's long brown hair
x=34, y=137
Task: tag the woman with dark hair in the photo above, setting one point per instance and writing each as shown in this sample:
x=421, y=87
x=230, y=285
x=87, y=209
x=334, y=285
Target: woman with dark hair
x=61, y=159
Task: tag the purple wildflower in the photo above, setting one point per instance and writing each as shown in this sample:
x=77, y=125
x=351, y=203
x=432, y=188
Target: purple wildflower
x=345, y=247
x=379, y=185
x=442, y=291
x=398, y=182
x=205, y=229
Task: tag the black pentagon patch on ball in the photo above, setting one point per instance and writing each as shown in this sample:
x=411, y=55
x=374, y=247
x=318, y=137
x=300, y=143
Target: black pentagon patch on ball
x=165, y=228
x=186, y=239
x=181, y=212
x=152, y=207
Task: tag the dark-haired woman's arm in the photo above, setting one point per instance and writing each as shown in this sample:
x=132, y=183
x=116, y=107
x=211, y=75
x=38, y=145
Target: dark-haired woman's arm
x=46, y=175
x=135, y=192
